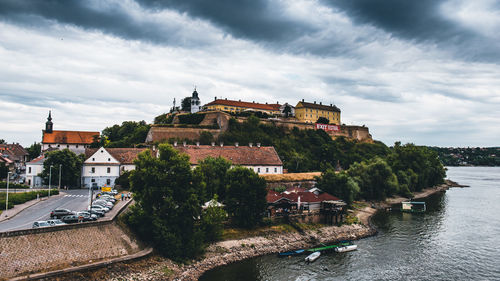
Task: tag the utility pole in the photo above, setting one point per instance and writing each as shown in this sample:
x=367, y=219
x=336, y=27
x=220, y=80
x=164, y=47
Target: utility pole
x=59, y=188
x=7, y=195
x=50, y=177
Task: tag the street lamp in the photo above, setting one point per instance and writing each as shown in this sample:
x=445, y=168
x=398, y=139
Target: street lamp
x=7, y=195
x=50, y=177
x=59, y=178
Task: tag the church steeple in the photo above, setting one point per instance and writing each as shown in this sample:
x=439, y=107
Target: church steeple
x=195, y=102
x=49, y=125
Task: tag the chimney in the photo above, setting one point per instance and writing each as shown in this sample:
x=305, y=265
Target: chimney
x=221, y=144
x=314, y=102
x=331, y=105
x=253, y=101
x=236, y=144
x=197, y=143
x=266, y=102
x=184, y=143
x=239, y=100
x=175, y=143
x=302, y=100
x=226, y=98
x=213, y=143
x=258, y=144
x=215, y=98
x=320, y=103
x=250, y=144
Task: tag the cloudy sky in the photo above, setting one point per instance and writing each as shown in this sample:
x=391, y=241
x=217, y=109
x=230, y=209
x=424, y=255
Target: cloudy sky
x=425, y=71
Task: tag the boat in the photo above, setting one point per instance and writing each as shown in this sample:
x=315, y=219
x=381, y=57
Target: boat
x=347, y=248
x=312, y=257
x=292, y=253
x=330, y=247
x=413, y=207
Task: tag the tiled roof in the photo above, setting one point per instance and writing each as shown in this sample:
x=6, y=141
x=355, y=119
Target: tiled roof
x=241, y=155
x=123, y=155
x=261, y=106
x=39, y=160
x=5, y=160
x=319, y=106
x=69, y=137
x=305, y=197
x=14, y=149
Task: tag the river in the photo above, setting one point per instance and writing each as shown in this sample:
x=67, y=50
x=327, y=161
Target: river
x=458, y=238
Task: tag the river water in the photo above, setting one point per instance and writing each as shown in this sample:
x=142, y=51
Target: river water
x=458, y=238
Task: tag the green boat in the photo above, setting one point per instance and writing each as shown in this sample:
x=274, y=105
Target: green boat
x=329, y=247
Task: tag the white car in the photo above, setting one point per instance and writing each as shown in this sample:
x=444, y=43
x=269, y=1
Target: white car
x=100, y=208
x=39, y=224
x=104, y=203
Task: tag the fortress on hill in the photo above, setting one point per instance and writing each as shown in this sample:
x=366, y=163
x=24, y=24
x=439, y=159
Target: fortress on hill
x=213, y=118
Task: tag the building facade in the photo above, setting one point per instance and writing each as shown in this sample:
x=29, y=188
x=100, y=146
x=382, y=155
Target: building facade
x=104, y=165
x=240, y=106
x=311, y=112
x=261, y=159
x=76, y=141
x=195, y=102
x=33, y=170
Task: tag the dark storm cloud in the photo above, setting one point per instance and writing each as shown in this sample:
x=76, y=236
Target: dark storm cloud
x=259, y=20
x=108, y=18
x=421, y=21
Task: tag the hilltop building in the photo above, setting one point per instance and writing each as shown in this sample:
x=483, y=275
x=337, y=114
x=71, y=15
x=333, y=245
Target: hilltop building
x=75, y=141
x=102, y=166
x=240, y=106
x=261, y=159
x=195, y=102
x=310, y=112
x=33, y=169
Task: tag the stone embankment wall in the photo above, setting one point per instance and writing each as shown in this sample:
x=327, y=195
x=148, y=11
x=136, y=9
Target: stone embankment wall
x=36, y=251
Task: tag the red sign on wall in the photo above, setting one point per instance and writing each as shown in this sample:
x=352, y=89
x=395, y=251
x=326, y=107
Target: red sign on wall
x=327, y=128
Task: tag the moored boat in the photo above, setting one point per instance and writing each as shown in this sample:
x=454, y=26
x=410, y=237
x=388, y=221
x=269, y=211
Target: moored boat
x=292, y=253
x=312, y=257
x=347, y=248
x=413, y=207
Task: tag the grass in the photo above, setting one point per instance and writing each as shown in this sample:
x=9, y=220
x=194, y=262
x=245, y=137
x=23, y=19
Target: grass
x=350, y=219
x=167, y=271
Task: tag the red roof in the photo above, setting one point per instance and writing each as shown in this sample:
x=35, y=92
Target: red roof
x=69, y=137
x=241, y=155
x=261, y=106
x=305, y=197
x=123, y=155
x=295, y=189
x=37, y=160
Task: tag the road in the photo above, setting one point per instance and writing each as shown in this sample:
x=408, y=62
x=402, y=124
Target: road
x=75, y=200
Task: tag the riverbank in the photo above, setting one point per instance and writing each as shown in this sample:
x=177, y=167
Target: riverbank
x=229, y=251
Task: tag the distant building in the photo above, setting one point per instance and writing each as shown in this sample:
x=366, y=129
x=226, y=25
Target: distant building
x=33, y=170
x=261, y=159
x=75, y=141
x=195, y=102
x=15, y=153
x=310, y=112
x=103, y=166
x=240, y=106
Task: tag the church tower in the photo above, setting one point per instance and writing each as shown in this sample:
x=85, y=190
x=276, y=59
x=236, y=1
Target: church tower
x=49, y=125
x=195, y=102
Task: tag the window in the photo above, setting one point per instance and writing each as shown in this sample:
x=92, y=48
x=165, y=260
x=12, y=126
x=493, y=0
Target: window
x=109, y=159
x=93, y=159
x=29, y=170
x=275, y=170
x=92, y=180
x=102, y=151
x=258, y=170
x=58, y=145
x=50, y=145
x=67, y=146
x=267, y=170
x=93, y=170
x=108, y=182
x=109, y=170
x=77, y=146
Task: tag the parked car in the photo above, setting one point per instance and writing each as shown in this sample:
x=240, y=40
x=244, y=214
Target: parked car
x=104, y=203
x=87, y=216
x=96, y=212
x=59, y=213
x=99, y=208
x=70, y=219
x=56, y=222
x=39, y=224
x=108, y=198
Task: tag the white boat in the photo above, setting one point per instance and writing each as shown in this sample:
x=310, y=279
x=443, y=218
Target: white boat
x=346, y=248
x=312, y=257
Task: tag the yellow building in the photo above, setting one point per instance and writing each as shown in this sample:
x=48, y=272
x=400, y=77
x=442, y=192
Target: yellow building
x=239, y=106
x=310, y=112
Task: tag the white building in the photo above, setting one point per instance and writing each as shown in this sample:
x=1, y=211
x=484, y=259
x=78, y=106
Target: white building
x=104, y=165
x=195, y=102
x=261, y=159
x=33, y=169
x=76, y=141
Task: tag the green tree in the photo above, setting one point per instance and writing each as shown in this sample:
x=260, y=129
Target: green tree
x=4, y=170
x=212, y=219
x=206, y=137
x=2, y=141
x=167, y=203
x=287, y=110
x=246, y=197
x=128, y=134
x=71, y=166
x=338, y=184
x=186, y=104
x=165, y=118
x=323, y=120
x=375, y=179
x=124, y=180
x=34, y=150
x=212, y=172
